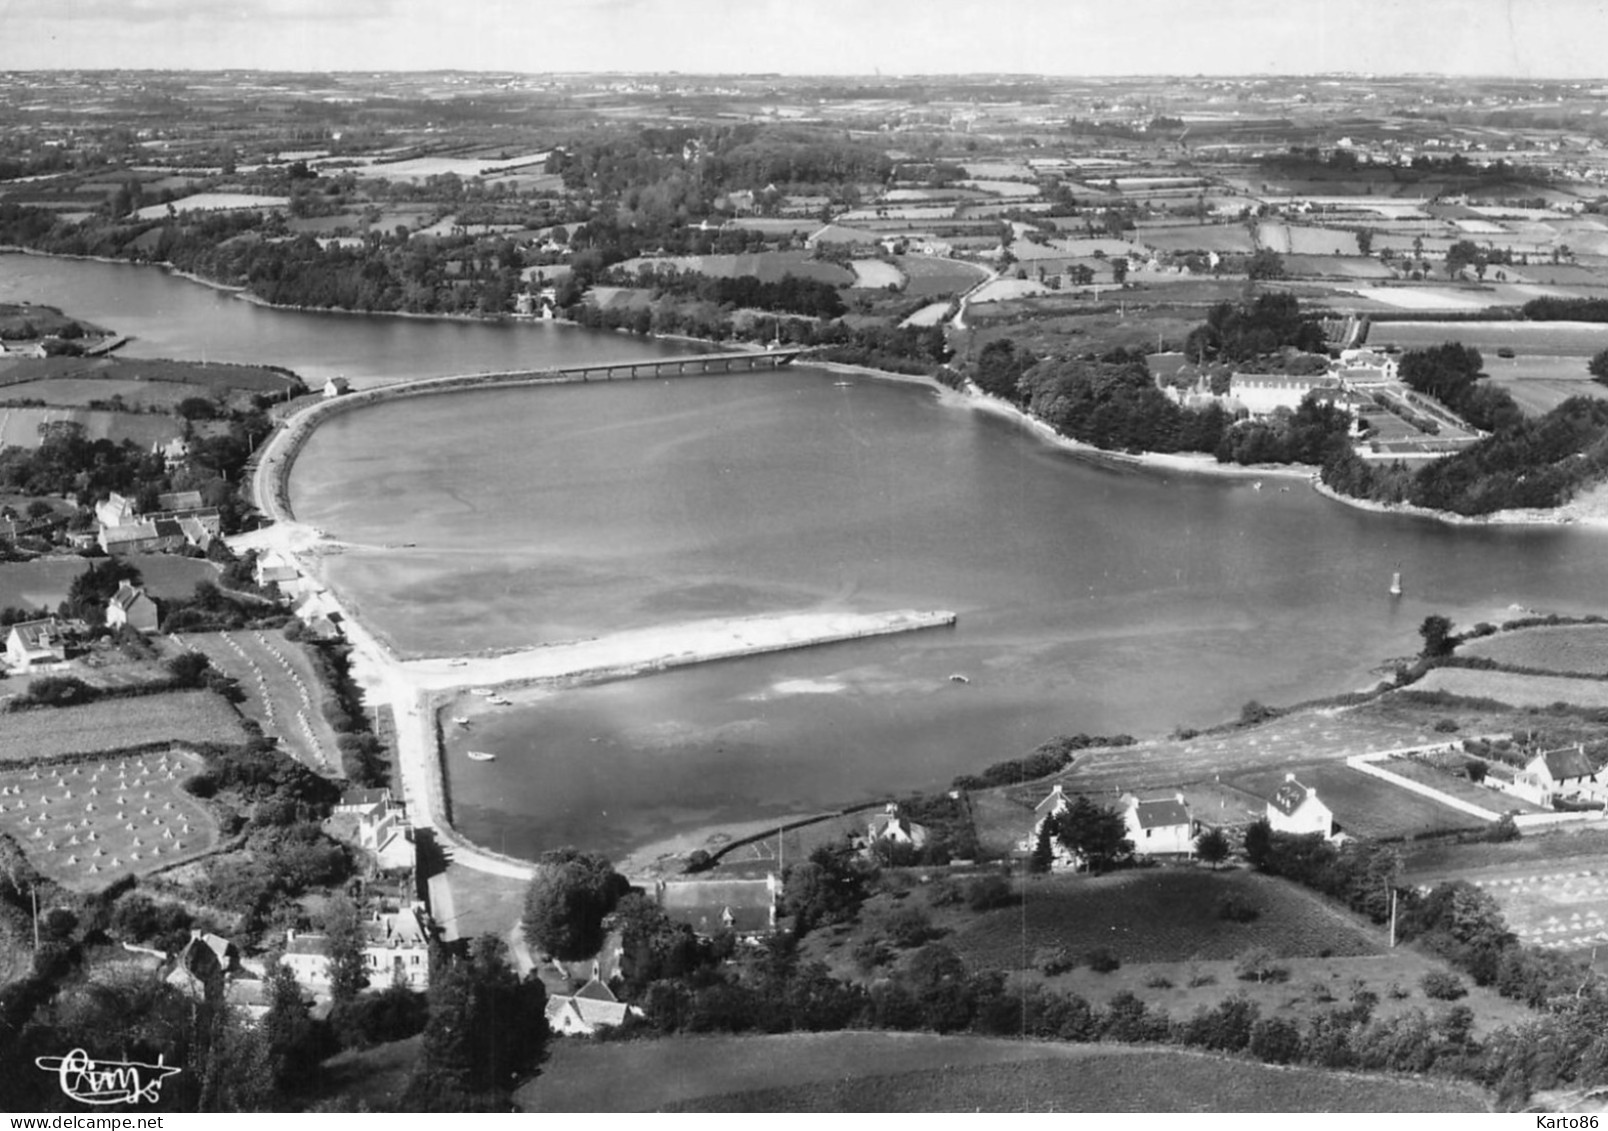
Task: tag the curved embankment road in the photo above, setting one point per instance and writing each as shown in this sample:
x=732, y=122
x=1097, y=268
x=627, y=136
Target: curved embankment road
x=416, y=688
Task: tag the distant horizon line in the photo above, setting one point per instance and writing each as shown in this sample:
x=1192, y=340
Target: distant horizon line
x=873, y=76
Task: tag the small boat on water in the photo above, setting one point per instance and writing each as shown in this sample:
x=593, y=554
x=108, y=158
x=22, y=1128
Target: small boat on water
x=481, y=756
x=460, y=720
x=958, y=678
x=481, y=691
x=843, y=384
x=1395, y=584
x=499, y=701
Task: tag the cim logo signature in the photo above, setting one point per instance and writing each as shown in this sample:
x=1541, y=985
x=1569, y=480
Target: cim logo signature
x=103, y=1082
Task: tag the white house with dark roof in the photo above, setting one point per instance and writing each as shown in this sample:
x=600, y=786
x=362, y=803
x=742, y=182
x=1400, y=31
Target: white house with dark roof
x=1054, y=804
x=396, y=948
x=890, y=826
x=132, y=606
x=273, y=568
x=307, y=957
x=363, y=800
x=115, y=510
x=1565, y=772
x=1159, y=827
x=747, y=908
x=1295, y=808
x=588, y=1009
x=1262, y=394
x=36, y=642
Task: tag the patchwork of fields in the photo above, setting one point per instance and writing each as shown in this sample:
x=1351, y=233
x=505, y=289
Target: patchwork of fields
x=1363, y=805
x=282, y=693
x=1156, y=915
x=20, y=427
x=894, y=1072
x=1517, y=690
x=117, y=724
x=1576, y=649
x=88, y=824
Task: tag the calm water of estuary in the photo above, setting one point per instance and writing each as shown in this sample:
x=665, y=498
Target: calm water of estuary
x=1090, y=598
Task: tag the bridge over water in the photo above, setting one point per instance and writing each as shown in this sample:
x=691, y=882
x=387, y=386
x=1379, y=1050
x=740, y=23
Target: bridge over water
x=745, y=362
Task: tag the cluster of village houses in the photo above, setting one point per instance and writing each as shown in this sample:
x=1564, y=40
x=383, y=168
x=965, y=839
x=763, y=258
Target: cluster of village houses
x=582, y=998
x=181, y=520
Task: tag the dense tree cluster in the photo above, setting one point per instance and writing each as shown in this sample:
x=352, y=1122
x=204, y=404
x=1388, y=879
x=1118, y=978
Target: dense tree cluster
x=1045, y=759
x=567, y=901
x=1113, y=403
x=1092, y=833
x=1530, y=463
x=791, y=294
x=999, y=367
x=1451, y=373
x=1552, y=308
x=487, y=1031
x=827, y=888
x=1237, y=332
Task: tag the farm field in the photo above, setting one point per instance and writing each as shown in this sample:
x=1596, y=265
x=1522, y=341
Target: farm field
x=767, y=855
x=767, y=267
x=1337, y=266
x=19, y=427
x=116, y=724
x=775, y=226
x=1537, y=395
x=87, y=824
x=1569, y=847
x=621, y=298
x=1153, y=915
x=1295, y=239
x=864, y=1072
x=43, y=583
x=1009, y=189
x=208, y=377
x=108, y=666
x=1003, y=290
x=929, y=315
x=1231, y=238
x=933, y=276
x=418, y=168
x=1527, y=339
x=1149, y=1081
x=39, y=584
x=78, y=392
x=282, y=693
x=214, y=202
x=1517, y=690
x=1557, y=908
x=1459, y=787
x=1003, y=815
x=169, y=575
x=926, y=212
x=877, y=274
x=1573, y=648
x=1426, y=299
x=1363, y=805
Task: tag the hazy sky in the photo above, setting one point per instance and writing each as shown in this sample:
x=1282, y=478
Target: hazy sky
x=1527, y=38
